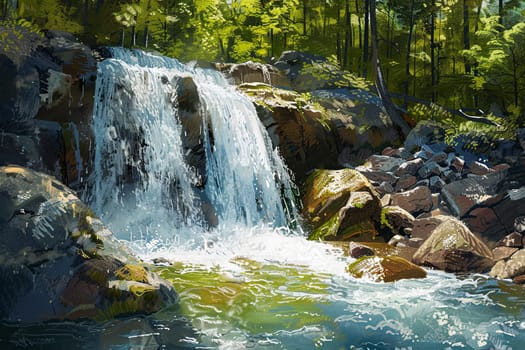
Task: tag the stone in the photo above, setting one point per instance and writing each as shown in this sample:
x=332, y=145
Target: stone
x=441, y=158
x=380, y=176
x=519, y=224
x=405, y=182
x=396, y=239
x=396, y=218
x=435, y=201
x=463, y=195
x=500, y=167
x=511, y=268
x=385, y=188
x=478, y=168
x=384, y=163
x=436, y=184
x=511, y=240
x=60, y=262
x=385, y=200
x=423, y=227
x=503, y=253
x=424, y=132
x=519, y=279
x=430, y=168
x=385, y=269
x=485, y=222
x=410, y=167
x=414, y=201
x=456, y=163
x=452, y=247
x=357, y=250
x=340, y=205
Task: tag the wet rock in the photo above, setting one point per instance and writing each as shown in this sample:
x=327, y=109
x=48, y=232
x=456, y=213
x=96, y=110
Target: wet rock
x=60, y=262
x=357, y=250
x=503, y=253
x=414, y=201
x=519, y=279
x=511, y=268
x=340, y=205
x=396, y=218
x=453, y=247
x=385, y=269
x=396, y=239
x=19, y=149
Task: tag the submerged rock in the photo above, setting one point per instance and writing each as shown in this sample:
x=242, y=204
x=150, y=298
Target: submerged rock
x=385, y=269
x=452, y=247
x=58, y=261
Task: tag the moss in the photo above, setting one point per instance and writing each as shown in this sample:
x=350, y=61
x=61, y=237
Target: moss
x=384, y=220
x=131, y=272
x=140, y=290
x=327, y=230
x=363, y=231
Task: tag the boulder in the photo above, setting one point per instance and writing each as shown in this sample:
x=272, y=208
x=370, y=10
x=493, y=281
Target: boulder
x=452, y=247
x=423, y=227
x=58, y=261
x=356, y=250
x=511, y=240
x=340, y=205
x=425, y=132
x=414, y=201
x=503, y=253
x=396, y=218
x=405, y=182
x=410, y=167
x=513, y=267
x=385, y=269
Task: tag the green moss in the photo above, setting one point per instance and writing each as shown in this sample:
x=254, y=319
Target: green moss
x=384, y=220
x=326, y=230
x=131, y=272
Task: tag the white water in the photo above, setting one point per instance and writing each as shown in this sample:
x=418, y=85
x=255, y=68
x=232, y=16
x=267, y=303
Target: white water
x=143, y=186
x=144, y=190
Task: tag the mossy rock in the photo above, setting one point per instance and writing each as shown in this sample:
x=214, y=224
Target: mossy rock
x=58, y=255
x=385, y=269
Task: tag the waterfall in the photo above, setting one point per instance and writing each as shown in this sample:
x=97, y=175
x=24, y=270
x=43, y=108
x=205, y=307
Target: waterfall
x=178, y=149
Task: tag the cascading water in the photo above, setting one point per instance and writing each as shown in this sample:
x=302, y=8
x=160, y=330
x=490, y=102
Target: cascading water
x=182, y=159
x=144, y=185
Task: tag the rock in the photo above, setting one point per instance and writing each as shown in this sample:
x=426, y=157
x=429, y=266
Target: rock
x=380, y=176
x=340, y=205
x=414, y=201
x=302, y=132
x=511, y=240
x=394, y=241
x=385, y=188
x=396, y=218
x=441, y=158
x=463, y=195
x=436, y=184
x=456, y=163
x=485, y=222
x=60, y=262
x=423, y=227
x=385, y=269
x=519, y=279
x=503, y=253
x=425, y=132
x=410, y=167
x=405, y=182
x=384, y=163
x=513, y=267
x=254, y=72
x=357, y=250
x=430, y=168
x=478, y=168
x=452, y=247
x=385, y=200
x=519, y=224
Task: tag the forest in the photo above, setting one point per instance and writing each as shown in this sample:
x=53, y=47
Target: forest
x=464, y=55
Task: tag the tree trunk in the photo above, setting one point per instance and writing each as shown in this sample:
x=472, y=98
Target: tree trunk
x=360, y=29
x=466, y=33
x=304, y=16
x=407, y=57
x=380, y=83
x=433, y=50
x=348, y=35
x=500, y=12
x=365, y=38
x=85, y=14
x=338, y=38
